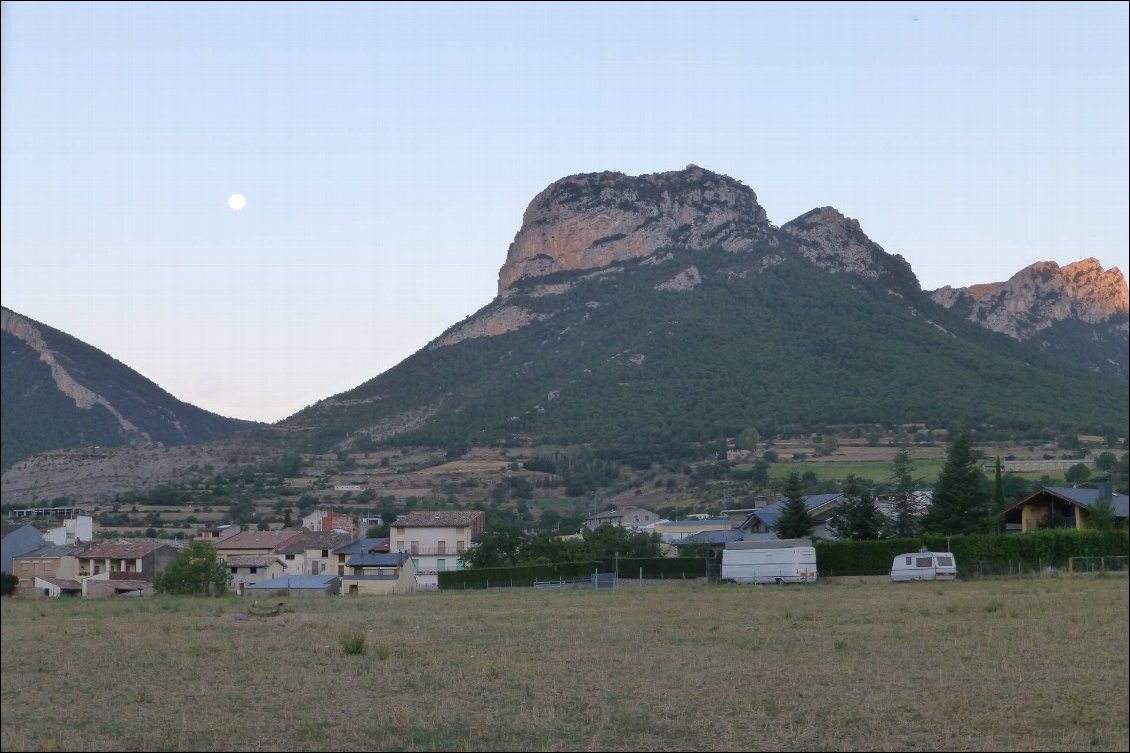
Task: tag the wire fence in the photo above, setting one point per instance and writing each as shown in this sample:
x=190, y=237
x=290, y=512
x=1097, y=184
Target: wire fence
x=1040, y=568
x=1098, y=564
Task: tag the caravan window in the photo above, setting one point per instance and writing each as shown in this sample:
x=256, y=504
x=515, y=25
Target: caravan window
x=945, y=561
x=924, y=562
x=908, y=560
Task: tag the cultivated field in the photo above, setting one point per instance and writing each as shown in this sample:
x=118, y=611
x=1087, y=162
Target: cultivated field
x=1037, y=664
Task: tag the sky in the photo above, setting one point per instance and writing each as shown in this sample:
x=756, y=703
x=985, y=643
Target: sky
x=387, y=152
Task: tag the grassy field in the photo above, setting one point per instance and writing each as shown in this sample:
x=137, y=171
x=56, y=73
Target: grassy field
x=1036, y=664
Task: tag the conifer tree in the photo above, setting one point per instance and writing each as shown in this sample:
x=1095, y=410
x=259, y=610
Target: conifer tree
x=795, y=521
x=961, y=500
x=906, y=522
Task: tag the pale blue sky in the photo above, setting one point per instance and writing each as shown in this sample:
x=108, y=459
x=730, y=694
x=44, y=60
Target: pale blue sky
x=387, y=152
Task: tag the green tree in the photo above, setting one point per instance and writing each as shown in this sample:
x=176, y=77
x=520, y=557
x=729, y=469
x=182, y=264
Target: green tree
x=1077, y=474
x=748, y=439
x=855, y=516
x=961, y=503
x=196, y=570
x=1101, y=517
x=605, y=542
x=501, y=546
x=795, y=521
x=905, y=521
x=8, y=584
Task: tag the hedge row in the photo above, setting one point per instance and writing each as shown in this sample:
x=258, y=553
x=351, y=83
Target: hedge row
x=525, y=575
x=662, y=567
x=1039, y=548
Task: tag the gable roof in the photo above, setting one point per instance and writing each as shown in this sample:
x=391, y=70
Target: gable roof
x=1082, y=497
x=295, y=581
x=374, y=559
x=438, y=518
x=251, y=560
x=360, y=546
x=121, y=550
x=326, y=540
x=714, y=537
x=771, y=513
x=269, y=540
x=618, y=513
x=65, y=584
x=48, y=551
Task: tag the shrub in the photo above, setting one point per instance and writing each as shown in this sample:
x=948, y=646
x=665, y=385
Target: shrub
x=353, y=644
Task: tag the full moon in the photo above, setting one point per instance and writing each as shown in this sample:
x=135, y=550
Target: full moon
x=237, y=201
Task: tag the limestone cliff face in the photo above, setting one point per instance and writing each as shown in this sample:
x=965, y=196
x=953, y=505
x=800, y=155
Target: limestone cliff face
x=593, y=220
x=837, y=243
x=1040, y=295
x=25, y=330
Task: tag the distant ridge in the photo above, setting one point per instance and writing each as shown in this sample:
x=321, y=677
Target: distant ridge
x=58, y=392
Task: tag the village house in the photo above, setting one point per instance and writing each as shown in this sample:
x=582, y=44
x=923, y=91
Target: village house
x=17, y=539
x=628, y=517
x=215, y=534
x=48, y=561
x=328, y=521
x=759, y=524
x=319, y=550
x=1062, y=507
x=436, y=540
x=379, y=573
x=254, y=556
x=140, y=560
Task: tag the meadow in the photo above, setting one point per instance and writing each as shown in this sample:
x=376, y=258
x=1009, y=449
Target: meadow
x=990, y=664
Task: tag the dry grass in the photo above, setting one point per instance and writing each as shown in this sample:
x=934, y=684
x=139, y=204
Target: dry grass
x=988, y=665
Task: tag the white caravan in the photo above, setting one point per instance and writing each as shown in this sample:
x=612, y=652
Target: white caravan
x=780, y=561
x=924, y=566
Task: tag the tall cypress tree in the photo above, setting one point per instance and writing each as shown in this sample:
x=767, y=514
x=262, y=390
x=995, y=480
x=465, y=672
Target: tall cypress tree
x=961, y=501
x=998, y=489
x=795, y=521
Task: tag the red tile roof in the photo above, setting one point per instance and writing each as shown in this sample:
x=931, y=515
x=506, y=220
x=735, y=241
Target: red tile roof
x=267, y=540
x=121, y=550
x=439, y=518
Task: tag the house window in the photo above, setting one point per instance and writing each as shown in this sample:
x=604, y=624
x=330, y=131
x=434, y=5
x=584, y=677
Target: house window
x=460, y=546
x=458, y=564
x=325, y=553
x=290, y=556
x=234, y=570
x=415, y=547
x=441, y=565
x=416, y=564
x=254, y=570
x=341, y=569
x=441, y=548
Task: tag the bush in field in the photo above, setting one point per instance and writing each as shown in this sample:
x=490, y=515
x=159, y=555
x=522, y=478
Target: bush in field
x=196, y=570
x=353, y=644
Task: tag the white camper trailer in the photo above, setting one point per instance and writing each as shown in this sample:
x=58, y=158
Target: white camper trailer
x=924, y=566
x=780, y=561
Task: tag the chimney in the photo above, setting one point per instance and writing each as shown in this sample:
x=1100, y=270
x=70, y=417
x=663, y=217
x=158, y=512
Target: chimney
x=1105, y=489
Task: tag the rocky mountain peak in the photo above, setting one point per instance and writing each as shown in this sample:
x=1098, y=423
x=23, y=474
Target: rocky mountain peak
x=837, y=243
x=592, y=220
x=1041, y=294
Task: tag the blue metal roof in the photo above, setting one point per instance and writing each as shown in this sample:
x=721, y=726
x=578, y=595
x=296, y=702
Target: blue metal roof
x=713, y=537
x=1088, y=497
x=360, y=546
x=296, y=581
x=375, y=559
x=770, y=513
